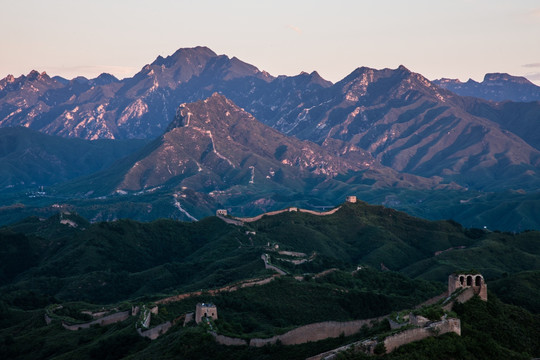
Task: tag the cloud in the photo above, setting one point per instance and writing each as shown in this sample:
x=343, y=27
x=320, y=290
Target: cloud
x=296, y=29
x=533, y=65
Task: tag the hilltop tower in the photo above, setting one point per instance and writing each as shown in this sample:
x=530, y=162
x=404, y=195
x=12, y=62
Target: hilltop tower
x=205, y=310
x=463, y=280
x=351, y=199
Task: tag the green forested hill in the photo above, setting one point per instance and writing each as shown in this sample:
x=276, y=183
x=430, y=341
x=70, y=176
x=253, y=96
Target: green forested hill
x=68, y=257
x=379, y=260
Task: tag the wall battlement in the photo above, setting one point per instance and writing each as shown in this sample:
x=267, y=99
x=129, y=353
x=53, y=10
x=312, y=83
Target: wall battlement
x=464, y=281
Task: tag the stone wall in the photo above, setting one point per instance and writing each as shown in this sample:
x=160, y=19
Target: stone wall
x=463, y=280
x=324, y=213
x=106, y=320
x=304, y=334
x=155, y=332
x=464, y=296
x=229, y=341
x=272, y=213
x=438, y=328
x=228, y=288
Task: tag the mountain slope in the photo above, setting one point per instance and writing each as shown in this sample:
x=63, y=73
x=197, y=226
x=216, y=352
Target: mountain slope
x=400, y=118
x=494, y=87
x=411, y=125
x=137, y=107
x=113, y=261
x=29, y=158
x=213, y=144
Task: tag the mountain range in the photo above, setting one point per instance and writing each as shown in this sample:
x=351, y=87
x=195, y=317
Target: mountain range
x=494, y=87
x=230, y=134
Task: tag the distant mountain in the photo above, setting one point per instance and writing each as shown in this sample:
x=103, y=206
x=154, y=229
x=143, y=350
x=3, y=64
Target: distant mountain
x=494, y=87
x=410, y=125
x=137, y=107
x=213, y=145
x=403, y=120
x=375, y=129
x=31, y=159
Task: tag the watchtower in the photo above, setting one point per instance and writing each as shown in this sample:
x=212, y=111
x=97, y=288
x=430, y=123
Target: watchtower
x=221, y=212
x=464, y=280
x=351, y=199
x=205, y=310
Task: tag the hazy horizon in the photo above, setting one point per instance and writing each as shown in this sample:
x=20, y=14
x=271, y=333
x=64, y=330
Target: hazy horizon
x=461, y=39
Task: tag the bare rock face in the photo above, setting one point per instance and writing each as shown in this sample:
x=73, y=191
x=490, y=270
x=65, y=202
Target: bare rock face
x=106, y=108
x=393, y=122
x=213, y=144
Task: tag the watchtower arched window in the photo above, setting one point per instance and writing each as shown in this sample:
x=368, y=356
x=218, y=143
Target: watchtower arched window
x=478, y=281
x=462, y=280
x=469, y=280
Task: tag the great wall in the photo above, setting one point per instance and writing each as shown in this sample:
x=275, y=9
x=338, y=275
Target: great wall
x=394, y=341
x=241, y=220
x=106, y=320
x=461, y=288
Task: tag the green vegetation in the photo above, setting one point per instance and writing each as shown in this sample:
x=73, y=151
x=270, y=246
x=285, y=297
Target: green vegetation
x=109, y=262
x=285, y=303
x=489, y=330
x=113, y=265
x=521, y=289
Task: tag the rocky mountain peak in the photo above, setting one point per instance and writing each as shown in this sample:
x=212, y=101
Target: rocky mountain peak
x=447, y=81
x=35, y=75
x=80, y=80
x=105, y=79
x=495, y=87
x=402, y=68
x=212, y=112
x=316, y=78
x=498, y=77
x=184, y=56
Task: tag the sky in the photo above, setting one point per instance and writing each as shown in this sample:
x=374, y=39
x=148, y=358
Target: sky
x=438, y=38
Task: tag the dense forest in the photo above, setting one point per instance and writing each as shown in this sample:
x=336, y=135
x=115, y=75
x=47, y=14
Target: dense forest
x=361, y=262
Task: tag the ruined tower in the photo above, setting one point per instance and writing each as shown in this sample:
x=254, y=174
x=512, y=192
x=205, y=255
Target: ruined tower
x=464, y=280
x=205, y=310
x=351, y=199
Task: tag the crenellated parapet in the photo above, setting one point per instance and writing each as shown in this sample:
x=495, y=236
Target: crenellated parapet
x=475, y=281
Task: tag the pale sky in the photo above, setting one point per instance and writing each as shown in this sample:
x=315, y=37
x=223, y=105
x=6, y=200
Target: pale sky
x=437, y=38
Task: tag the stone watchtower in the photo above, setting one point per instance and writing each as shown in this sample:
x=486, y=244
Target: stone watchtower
x=464, y=280
x=205, y=310
x=351, y=199
x=221, y=212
